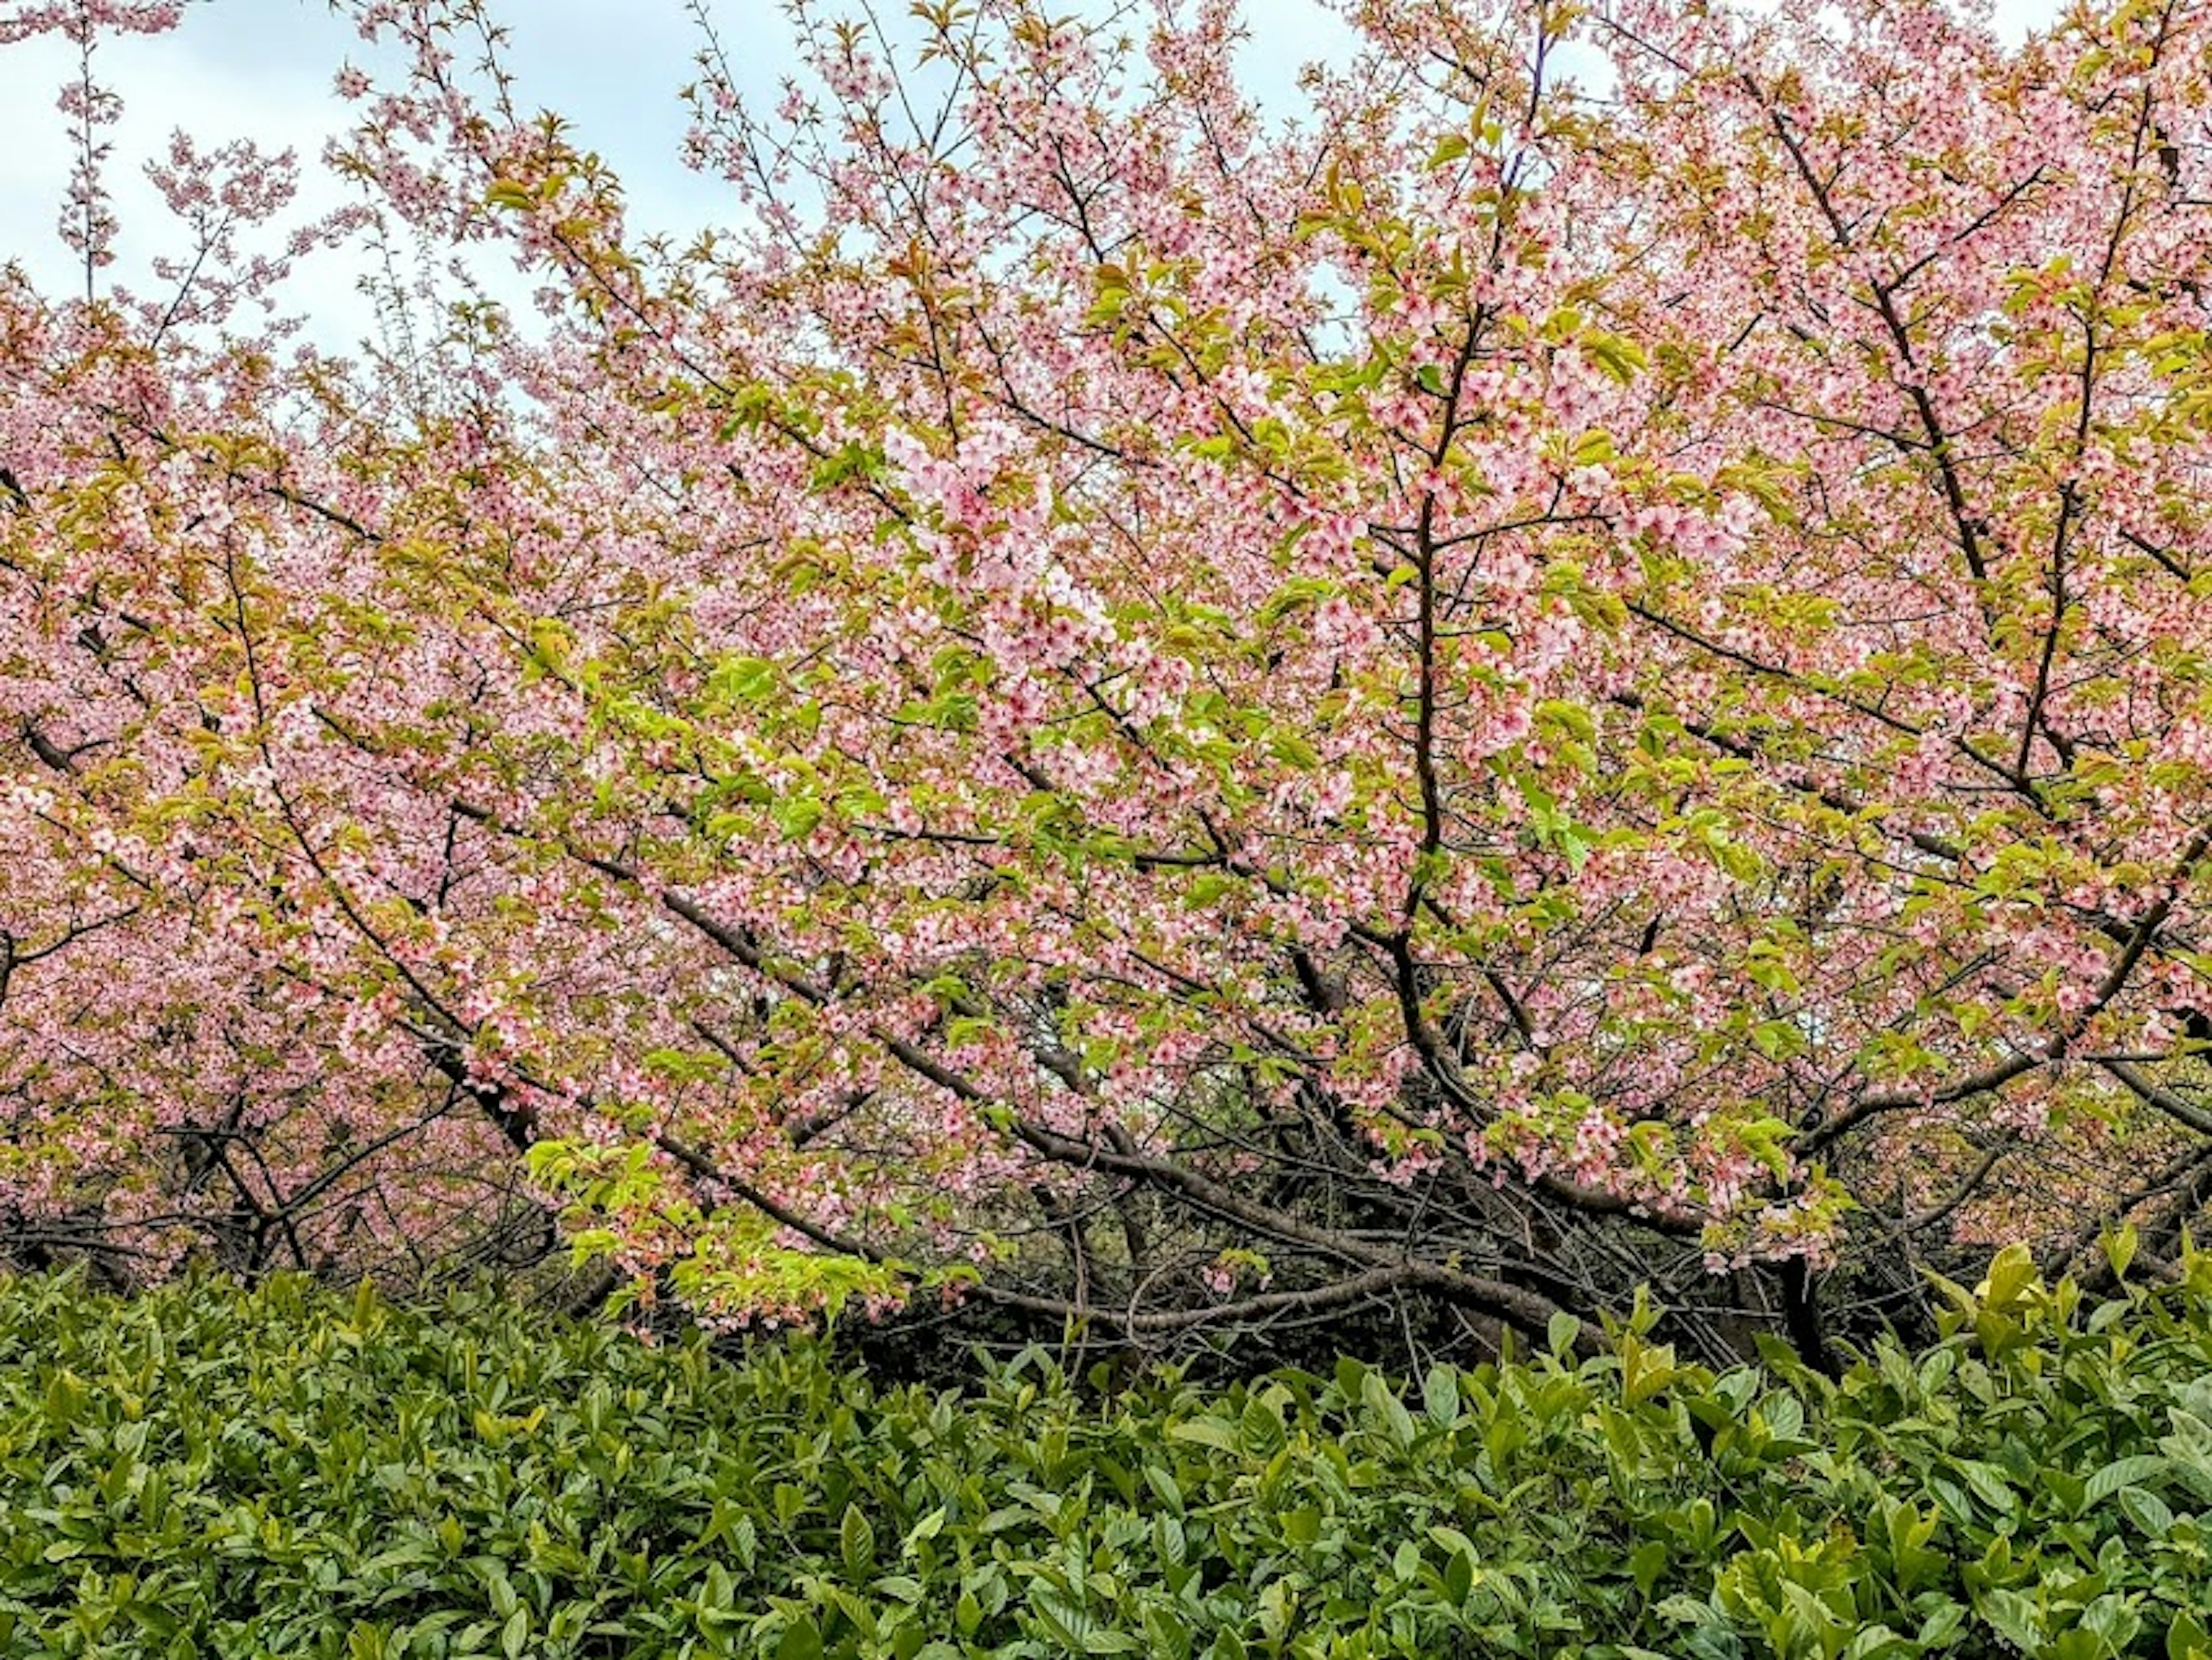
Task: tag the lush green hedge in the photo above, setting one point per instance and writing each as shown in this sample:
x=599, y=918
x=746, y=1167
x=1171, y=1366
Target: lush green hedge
x=203, y=1472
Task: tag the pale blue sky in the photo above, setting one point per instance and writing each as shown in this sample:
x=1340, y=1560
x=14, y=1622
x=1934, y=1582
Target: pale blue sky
x=264, y=68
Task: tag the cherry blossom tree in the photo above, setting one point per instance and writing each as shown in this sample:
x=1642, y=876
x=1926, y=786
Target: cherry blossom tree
x=1582, y=669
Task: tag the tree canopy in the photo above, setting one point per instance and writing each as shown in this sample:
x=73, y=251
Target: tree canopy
x=1583, y=665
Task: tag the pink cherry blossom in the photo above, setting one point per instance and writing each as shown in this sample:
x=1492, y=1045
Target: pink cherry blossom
x=1485, y=694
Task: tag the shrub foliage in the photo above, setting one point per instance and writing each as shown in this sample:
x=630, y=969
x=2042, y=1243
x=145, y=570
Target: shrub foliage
x=207, y=1472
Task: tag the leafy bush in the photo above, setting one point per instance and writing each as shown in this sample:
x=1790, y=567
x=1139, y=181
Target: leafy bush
x=203, y=1471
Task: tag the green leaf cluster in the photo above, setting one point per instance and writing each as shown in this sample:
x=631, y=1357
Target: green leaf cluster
x=207, y=1471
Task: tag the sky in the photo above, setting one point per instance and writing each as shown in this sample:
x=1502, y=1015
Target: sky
x=264, y=69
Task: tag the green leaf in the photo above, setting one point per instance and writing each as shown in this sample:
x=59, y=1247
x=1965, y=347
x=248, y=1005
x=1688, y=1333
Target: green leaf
x=928, y=1528
x=1384, y=1401
x=1877, y=1643
x=1207, y=1432
x=2125, y=1473
x=1620, y=357
x=2146, y=1510
x=2120, y=1248
x=2011, y=1272
x=796, y=816
x=1440, y=1395
x=856, y=1542
x=1942, y=1625
x=1459, y=1577
x=2013, y=1617
x=745, y=680
x=1989, y=1483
